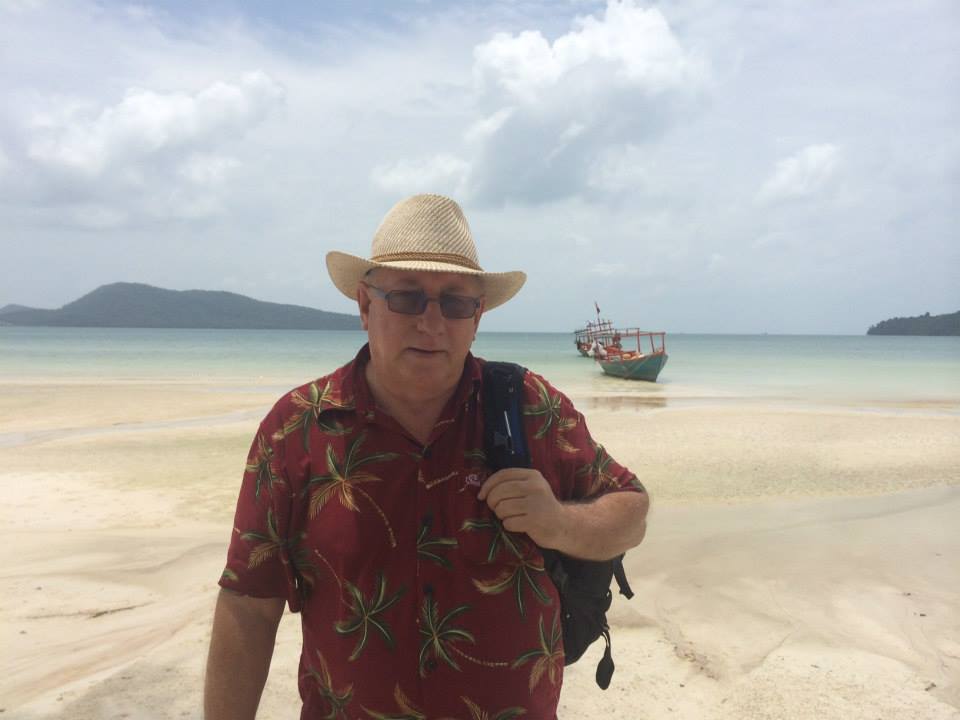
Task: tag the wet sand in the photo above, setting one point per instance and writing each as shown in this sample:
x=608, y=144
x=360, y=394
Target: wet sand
x=800, y=562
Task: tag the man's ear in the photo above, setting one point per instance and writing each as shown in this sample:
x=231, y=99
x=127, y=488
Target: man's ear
x=363, y=302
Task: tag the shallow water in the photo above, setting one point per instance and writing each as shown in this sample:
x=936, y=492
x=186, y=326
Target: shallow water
x=925, y=370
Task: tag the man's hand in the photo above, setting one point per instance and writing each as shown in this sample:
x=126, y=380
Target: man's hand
x=595, y=529
x=524, y=502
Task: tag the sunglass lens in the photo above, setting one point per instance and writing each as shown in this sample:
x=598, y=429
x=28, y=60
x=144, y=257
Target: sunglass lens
x=408, y=302
x=457, y=306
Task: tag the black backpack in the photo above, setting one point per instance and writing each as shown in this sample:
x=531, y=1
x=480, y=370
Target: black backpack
x=583, y=585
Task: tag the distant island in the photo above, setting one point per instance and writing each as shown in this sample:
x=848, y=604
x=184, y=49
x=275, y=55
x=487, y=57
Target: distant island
x=925, y=324
x=135, y=305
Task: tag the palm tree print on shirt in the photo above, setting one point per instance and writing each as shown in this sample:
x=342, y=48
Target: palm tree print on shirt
x=301, y=559
x=477, y=713
x=260, y=465
x=310, y=409
x=597, y=471
x=270, y=543
x=429, y=547
x=439, y=634
x=366, y=614
x=337, y=699
x=548, y=408
x=548, y=658
x=518, y=575
x=405, y=709
x=342, y=481
x=565, y=424
x=520, y=569
x=501, y=536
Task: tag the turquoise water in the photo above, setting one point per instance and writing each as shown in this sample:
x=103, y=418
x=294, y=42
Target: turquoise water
x=768, y=366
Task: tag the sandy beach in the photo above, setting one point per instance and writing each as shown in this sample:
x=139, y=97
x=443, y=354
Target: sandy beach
x=801, y=561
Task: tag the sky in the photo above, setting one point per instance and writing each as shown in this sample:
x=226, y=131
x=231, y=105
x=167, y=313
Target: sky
x=714, y=166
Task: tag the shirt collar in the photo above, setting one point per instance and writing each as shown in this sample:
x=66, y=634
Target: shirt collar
x=348, y=388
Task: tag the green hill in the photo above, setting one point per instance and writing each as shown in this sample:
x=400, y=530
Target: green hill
x=137, y=305
x=926, y=324
x=14, y=308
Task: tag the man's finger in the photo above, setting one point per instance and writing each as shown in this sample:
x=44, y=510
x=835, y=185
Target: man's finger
x=509, y=489
x=501, y=476
x=510, y=507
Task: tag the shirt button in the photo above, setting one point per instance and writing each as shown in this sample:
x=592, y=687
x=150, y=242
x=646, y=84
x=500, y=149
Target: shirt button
x=431, y=664
x=427, y=520
x=426, y=452
x=428, y=589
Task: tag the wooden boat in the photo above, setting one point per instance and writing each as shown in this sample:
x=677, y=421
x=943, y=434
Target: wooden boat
x=597, y=333
x=639, y=364
x=601, y=331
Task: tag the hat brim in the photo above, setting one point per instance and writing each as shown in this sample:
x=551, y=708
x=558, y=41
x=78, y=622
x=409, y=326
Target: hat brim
x=346, y=272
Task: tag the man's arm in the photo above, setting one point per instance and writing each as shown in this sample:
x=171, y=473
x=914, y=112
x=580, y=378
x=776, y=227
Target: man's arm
x=241, y=646
x=602, y=528
x=597, y=529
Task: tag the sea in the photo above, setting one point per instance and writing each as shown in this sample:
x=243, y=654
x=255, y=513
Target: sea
x=870, y=371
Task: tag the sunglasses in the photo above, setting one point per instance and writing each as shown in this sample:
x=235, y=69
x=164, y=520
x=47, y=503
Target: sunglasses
x=414, y=302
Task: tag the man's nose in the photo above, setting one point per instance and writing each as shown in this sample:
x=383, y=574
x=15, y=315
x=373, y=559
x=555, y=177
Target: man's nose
x=431, y=320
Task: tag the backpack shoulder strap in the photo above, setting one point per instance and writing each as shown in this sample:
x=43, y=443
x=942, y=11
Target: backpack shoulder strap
x=503, y=436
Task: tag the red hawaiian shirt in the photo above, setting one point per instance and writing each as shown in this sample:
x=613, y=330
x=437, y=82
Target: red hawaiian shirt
x=415, y=601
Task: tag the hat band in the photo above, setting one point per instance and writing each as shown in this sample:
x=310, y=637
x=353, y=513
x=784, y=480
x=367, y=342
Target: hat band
x=458, y=260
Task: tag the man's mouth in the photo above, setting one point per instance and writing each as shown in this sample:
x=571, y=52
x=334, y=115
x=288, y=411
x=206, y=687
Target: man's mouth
x=422, y=351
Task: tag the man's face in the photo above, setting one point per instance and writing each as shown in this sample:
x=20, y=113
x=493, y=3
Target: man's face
x=420, y=355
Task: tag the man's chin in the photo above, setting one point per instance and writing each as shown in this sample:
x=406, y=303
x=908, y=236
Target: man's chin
x=428, y=370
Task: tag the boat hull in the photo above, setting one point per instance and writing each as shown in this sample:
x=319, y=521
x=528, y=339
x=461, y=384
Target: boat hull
x=646, y=367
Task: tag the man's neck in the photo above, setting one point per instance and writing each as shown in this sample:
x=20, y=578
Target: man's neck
x=416, y=412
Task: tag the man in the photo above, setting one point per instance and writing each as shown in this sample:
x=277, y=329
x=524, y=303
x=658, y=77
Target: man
x=367, y=507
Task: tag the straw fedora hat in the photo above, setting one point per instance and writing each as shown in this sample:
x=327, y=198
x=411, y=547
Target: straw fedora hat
x=427, y=233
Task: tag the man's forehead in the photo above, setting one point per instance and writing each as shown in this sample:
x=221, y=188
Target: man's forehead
x=424, y=279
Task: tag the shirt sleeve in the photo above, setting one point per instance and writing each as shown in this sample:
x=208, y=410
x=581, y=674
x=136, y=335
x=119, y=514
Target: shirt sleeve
x=259, y=562
x=580, y=467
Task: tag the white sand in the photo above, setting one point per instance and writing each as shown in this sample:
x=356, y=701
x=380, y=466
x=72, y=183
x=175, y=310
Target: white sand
x=800, y=562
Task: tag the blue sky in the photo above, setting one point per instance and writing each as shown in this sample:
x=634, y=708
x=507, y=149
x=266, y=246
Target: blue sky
x=694, y=166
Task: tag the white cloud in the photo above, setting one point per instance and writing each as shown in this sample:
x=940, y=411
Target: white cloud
x=636, y=43
x=147, y=123
x=485, y=127
x=412, y=176
x=801, y=174
x=152, y=155
x=618, y=78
